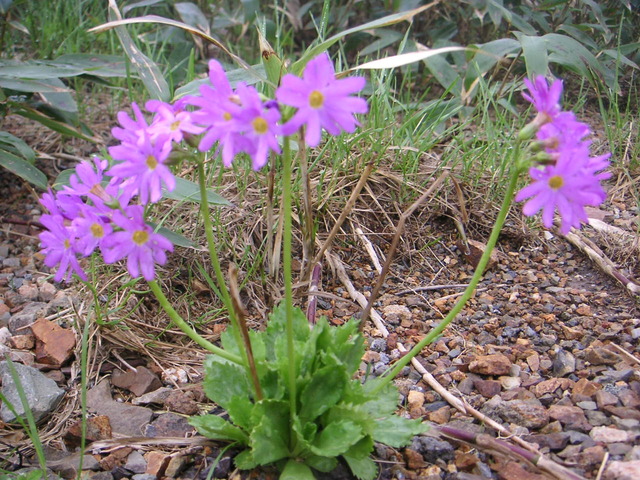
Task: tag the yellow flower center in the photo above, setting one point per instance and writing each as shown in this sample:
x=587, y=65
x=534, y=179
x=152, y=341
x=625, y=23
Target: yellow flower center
x=556, y=182
x=226, y=116
x=152, y=162
x=175, y=125
x=316, y=99
x=97, y=230
x=140, y=237
x=260, y=125
x=67, y=243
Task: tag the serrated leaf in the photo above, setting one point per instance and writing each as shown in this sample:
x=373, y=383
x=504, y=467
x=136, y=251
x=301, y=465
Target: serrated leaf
x=363, y=468
x=270, y=437
x=384, y=402
x=149, y=72
x=294, y=470
x=23, y=169
x=186, y=190
x=17, y=146
x=397, y=431
x=224, y=381
x=336, y=438
x=534, y=51
x=322, y=464
x=323, y=391
x=239, y=410
x=217, y=428
x=245, y=461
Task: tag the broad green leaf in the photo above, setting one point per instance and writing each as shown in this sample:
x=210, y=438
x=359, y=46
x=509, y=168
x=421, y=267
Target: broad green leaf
x=224, y=381
x=619, y=57
x=245, y=461
x=186, y=190
x=323, y=391
x=571, y=54
x=60, y=127
x=63, y=178
x=397, y=431
x=19, y=26
x=386, y=37
x=239, y=410
x=234, y=76
x=27, y=85
x=94, y=64
x=270, y=438
x=336, y=438
x=217, y=428
x=362, y=449
x=534, y=51
x=149, y=72
x=23, y=169
x=17, y=146
x=322, y=464
x=60, y=100
x=173, y=237
x=363, y=468
x=191, y=14
x=37, y=69
x=142, y=3
x=294, y=470
x=385, y=402
x=389, y=20
x=492, y=52
x=445, y=74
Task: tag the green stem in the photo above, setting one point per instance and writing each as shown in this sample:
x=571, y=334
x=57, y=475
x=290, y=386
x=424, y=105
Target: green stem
x=186, y=328
x=286, y=265
x=390, y=374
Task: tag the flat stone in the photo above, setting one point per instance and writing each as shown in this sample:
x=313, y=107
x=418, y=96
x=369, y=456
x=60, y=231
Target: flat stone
x=525, y=414
x=169, y=425
x=585, y=388
x=487, y=388
x=433, y=449
x=623, y=470
x=54, y=344
x=181, y=402
x=604, y=398
x=571, y=417
x=515, y=471
x=138, y=382
x=98, y=427
x=157, y=396
x=608, y=435
x=136, y=462
x=27, y=316
x=624, y=412
x=553, y=441
x=42, y=393
x=601, y=356
x=496, y=364
x=126, y=420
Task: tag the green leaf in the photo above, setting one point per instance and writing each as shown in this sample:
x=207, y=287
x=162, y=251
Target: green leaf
x=270, y=438
x=397, y=431
x=273, y=65
x=245, y=461
x=224, y=381
x=59, y=100
x=240, y=409
x=16, y=145
x=322, y=464
x=191, y=14
x=217, y=428
x=36, y=69
x=23, y=169
x=294, y=470
x=316, y=50
x=99, y=65
x=573, y=55
x=363, y=468
x=323, y=391
x=336, y=438
x=149, y=72
x=27, y=85
x=49, y=122
x=186, y=190
x=172, y=236
x=534, y=51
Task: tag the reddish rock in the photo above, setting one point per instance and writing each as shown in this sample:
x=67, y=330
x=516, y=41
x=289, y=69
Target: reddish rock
x=487, y=388
x=624, y=412
x=497, y=364
x=623, y=470
x=157, y=463
x=98, y=428
x=23, y=342
x=591, y=456
x=571, y=417
x=515, y=471
x=115, y=459
x=54, y=344
x=414, y=459
x=585, y=388
x=181, y=402
x=440, y=416
x=601, y=356
x=604, y=398
x=551, y=385
x=139, y=382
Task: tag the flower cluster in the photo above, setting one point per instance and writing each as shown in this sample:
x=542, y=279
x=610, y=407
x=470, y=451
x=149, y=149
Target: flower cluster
x=102, y=208
x=568, y=178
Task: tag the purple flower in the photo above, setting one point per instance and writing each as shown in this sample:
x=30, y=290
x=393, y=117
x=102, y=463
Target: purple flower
x=544, y=97
x=131, y=129
x=87, y=181
x=137, y=242
x=322, y=100
x=563, y=132
x=143, y=166
x=566, y=186
x=171, y=121
x=258, y=124
x=91, y=228
x=58, y=246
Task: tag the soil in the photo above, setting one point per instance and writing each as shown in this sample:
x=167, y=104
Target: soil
x=548, y=348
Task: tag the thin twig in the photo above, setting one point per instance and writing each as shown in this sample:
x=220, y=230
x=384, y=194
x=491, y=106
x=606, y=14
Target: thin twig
x=394, y=244
x=313, y=290
x=630, y=356
x=605, y=459
x=370, y=250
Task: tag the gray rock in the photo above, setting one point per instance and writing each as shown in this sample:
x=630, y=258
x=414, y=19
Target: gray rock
x=41, y=392
x=433, y=449
x=143, y=476
x=564, y=363
x=126, y=420
x=27, y=316
x=524, y=413
x=136, y=462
